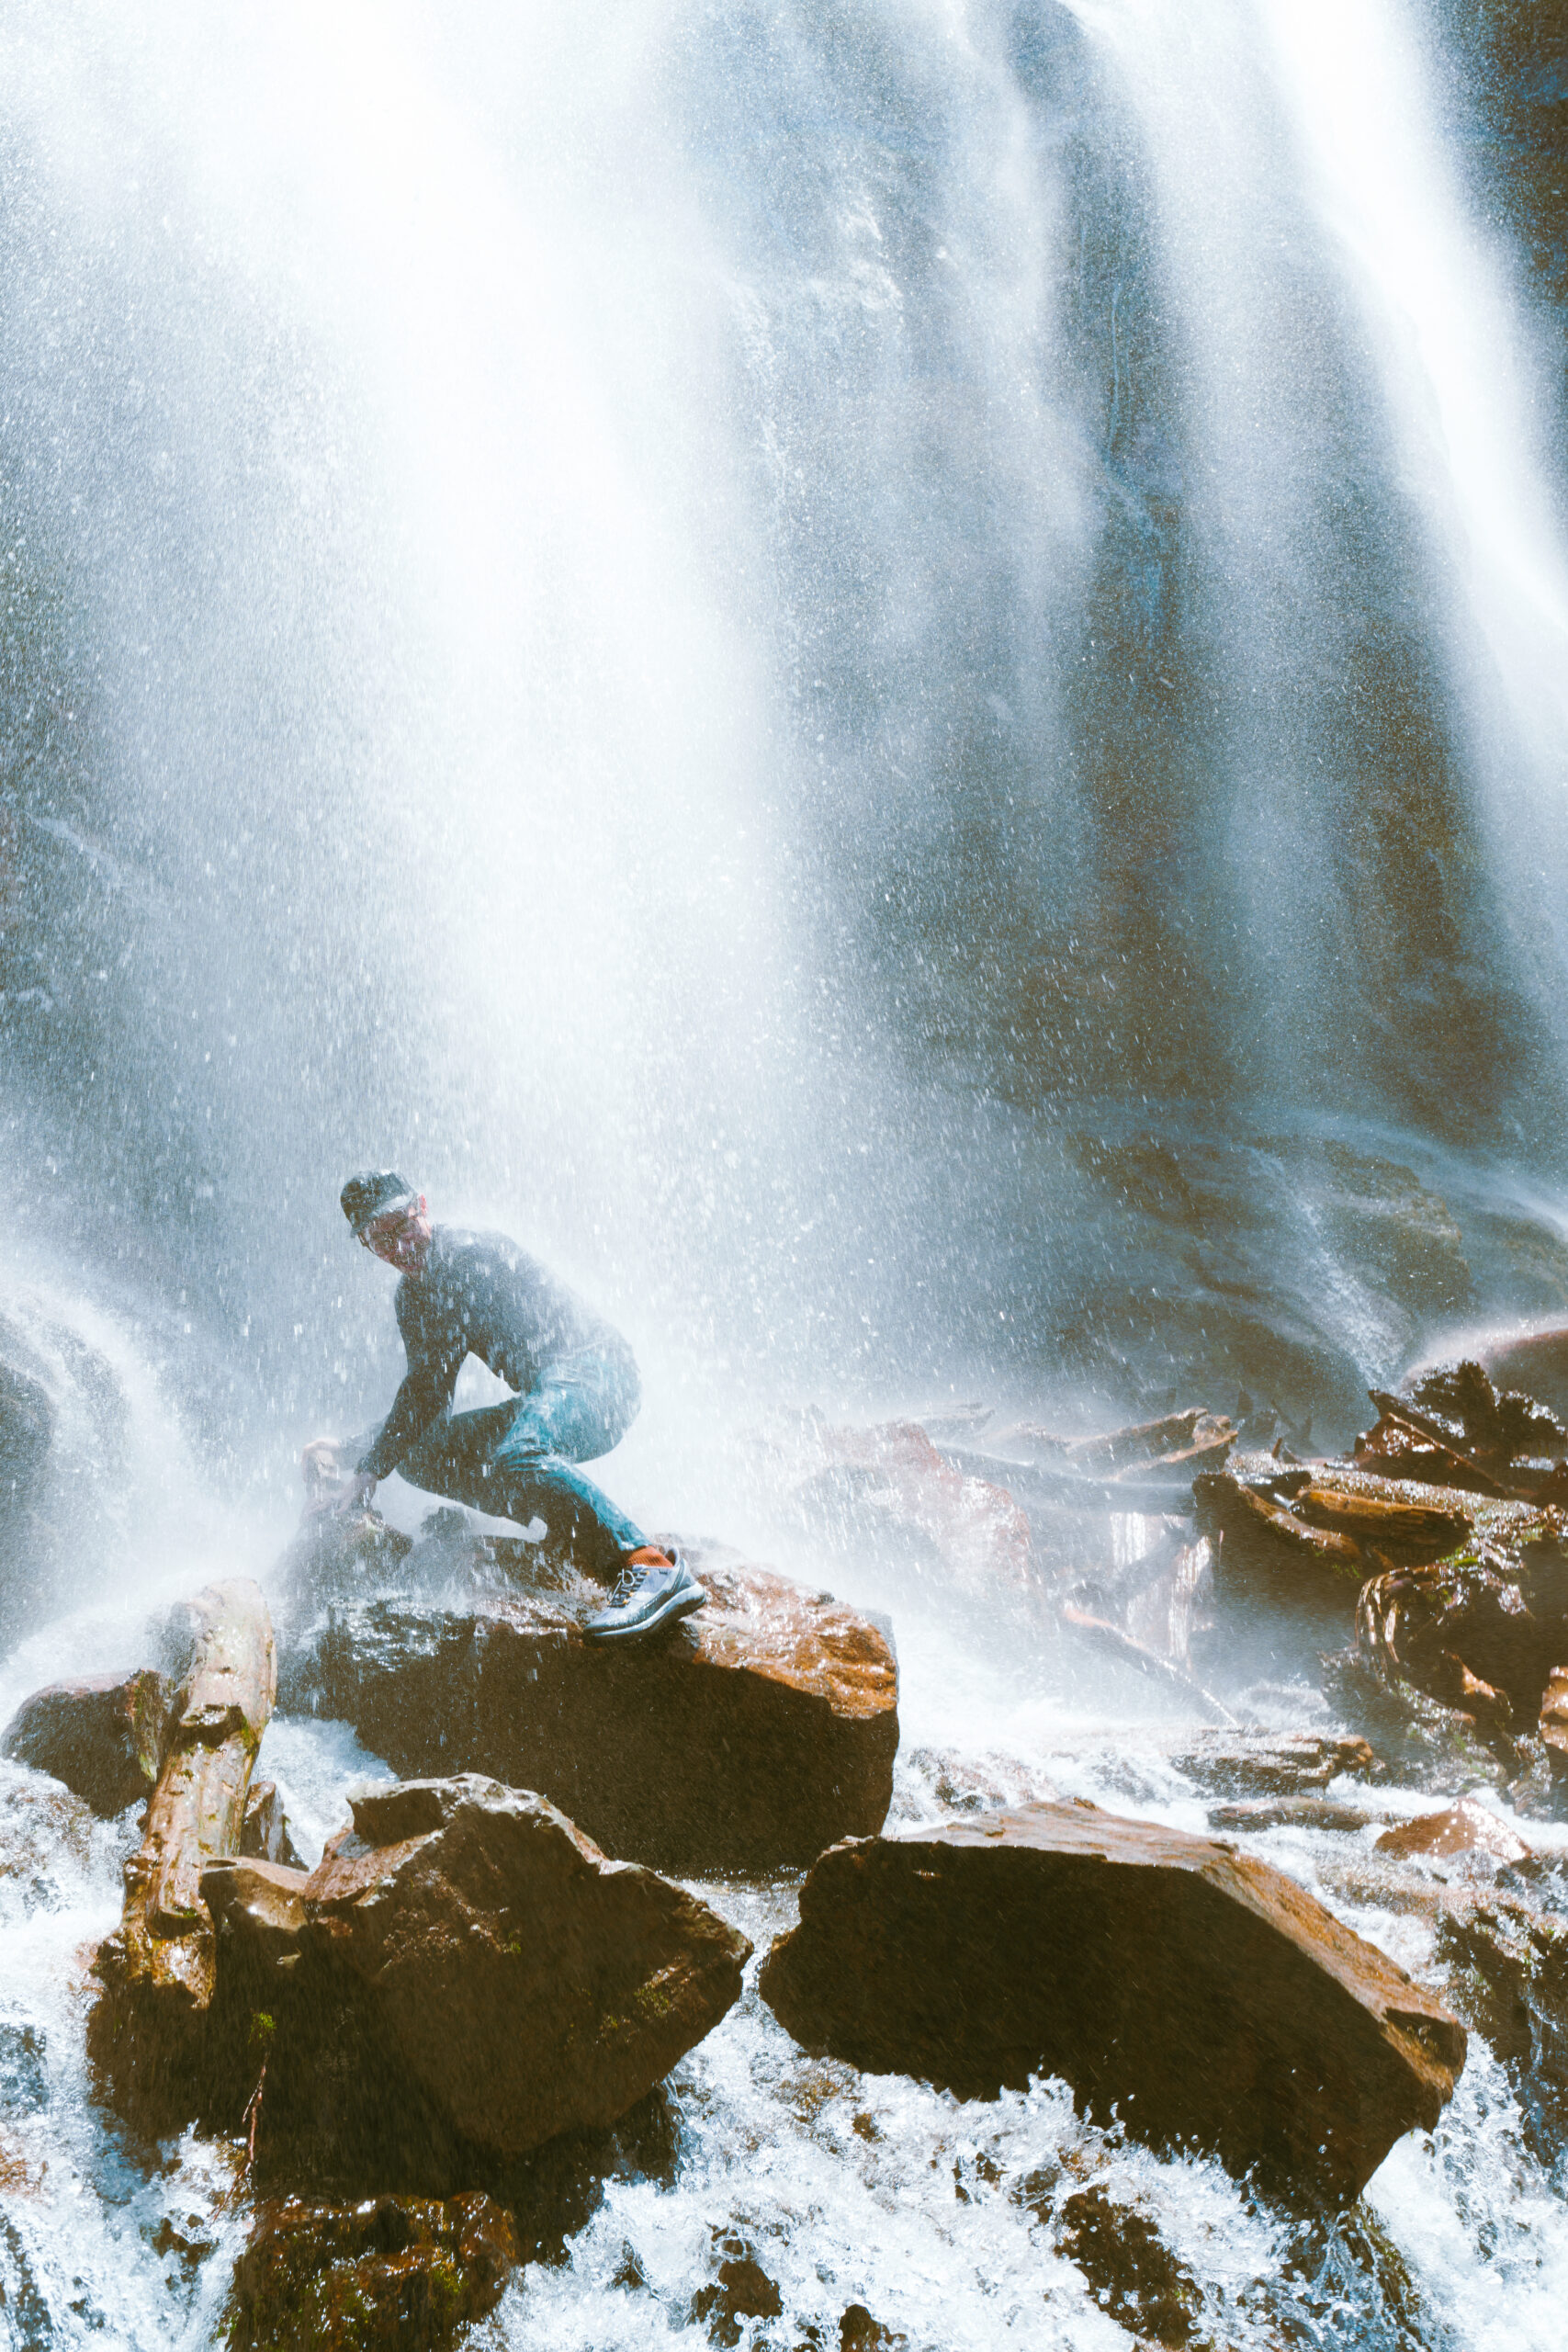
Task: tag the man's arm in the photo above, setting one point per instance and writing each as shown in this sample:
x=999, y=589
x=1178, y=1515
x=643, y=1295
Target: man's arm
x=426, y=1386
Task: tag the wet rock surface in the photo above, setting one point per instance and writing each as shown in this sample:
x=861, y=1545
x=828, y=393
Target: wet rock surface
x=463, y=1976
x=1201, y=1993
x=746, y=1737
x=103, y=1736
x=392, y=2274
x=1277, y=1765
x=742, y=2290
x=1132, y=2273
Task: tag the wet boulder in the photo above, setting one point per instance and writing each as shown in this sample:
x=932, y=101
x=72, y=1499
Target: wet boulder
x=1506, y=1967
x=463, y=1976
x=1393, y=1449
x=746, y=1737
x=1322, y=1526
x=403, y=2273
x=103, y=1736
x=1459, y=1832
x=336, y=1555
x=1201, y=1995
x=1479, y=1633
x=264, y=1835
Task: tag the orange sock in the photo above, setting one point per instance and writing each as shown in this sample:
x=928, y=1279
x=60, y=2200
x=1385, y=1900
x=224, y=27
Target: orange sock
x=649, y=1556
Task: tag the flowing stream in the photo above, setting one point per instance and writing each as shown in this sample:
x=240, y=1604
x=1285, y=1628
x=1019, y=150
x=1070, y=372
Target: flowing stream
x=896, y=678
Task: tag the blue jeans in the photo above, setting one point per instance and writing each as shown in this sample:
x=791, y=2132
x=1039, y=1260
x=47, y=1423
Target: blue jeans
x=518, y=1460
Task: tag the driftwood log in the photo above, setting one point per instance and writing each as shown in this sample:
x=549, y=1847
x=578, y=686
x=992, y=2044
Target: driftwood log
x=158, y=1968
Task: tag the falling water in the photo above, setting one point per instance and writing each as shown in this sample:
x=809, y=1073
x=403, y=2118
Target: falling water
x=894, y=677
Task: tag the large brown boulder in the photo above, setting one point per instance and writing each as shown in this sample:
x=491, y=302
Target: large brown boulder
x=1198, y=1992
x=463, y=1975
x=103, y=1736
x=746, y=1739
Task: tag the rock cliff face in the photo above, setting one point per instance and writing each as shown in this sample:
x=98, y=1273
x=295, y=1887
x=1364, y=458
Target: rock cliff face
x=749, y=1737
x=1197, y=1992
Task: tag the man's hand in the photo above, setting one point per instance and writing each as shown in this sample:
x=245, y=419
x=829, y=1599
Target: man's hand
x=329, y=1483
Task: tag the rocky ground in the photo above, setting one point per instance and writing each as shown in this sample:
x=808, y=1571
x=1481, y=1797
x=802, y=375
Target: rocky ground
x=420, y=2063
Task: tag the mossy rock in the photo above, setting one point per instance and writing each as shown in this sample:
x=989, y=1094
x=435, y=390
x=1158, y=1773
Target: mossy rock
x=392, y=2274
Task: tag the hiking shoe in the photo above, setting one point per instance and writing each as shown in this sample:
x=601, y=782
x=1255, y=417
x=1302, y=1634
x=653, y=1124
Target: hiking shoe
x=654, y=1588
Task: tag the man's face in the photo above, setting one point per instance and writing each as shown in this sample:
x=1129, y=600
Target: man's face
x=401, y=1237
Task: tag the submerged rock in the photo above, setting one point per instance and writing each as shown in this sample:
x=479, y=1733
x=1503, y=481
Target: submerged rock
x=1132, y=2273
x=1201, y=1994
x=746, y=1737
x=62, y=1427
x=1274, y=1764
x=1536, y=1361
x=1459, y=1829
x=103, y=1736
x=463, y=1974
x=392, y=2274
x=42, y=1827
x=742, y=2290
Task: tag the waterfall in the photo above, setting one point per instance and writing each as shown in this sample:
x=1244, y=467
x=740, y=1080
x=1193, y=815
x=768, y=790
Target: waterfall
x=725, y=631
x=893, y=675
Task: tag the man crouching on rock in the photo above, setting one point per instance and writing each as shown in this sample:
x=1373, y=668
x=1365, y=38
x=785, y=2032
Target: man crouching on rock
x=477, y=1293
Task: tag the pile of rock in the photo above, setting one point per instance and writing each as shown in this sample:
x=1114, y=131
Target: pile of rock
x=1454, y=1572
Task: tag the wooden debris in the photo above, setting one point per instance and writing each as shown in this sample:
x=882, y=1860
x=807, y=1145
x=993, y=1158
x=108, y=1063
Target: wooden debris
x=158, y=1967
x=1195, y=1438
x=1262, y=1527
x=1375, y=1519
x=1475, y=1475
